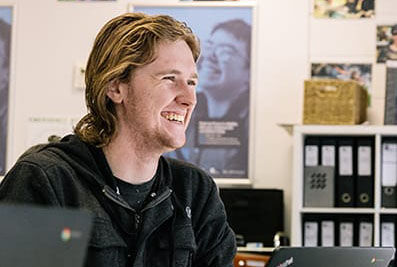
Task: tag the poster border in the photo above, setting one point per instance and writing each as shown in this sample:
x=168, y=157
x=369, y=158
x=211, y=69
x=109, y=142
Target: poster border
x=246, y=181
x=11, y=88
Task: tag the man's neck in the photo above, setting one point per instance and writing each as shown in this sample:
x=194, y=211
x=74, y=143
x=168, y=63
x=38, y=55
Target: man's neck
x=129, y=161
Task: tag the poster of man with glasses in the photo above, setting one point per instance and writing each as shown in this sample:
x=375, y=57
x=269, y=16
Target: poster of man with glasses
x=5, y=43
x=218, y=134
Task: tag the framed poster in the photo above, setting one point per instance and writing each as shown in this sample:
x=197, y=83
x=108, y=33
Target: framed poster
x=6, y=14
x=218, y=137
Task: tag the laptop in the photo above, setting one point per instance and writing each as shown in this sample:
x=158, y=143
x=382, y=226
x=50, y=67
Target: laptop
x=331, y=257
x=33, y=236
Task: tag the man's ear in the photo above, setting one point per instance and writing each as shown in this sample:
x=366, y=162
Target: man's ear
x=117, y=91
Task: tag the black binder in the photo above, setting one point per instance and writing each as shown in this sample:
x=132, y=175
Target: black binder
x=389, y=172
x=328, y=151
x=364, y=231
x=312, y=151
x=388, y=231
x=311, y=230
x=327, y=231
x=364, y=194
x=346, y=231
x=345, y=173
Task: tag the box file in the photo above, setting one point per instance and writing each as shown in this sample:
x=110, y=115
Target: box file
x=365, y=233
x=328, y=233
x=346, y=233
x=364, y=193
x=389, y=172
x=328, y=151
x=387, y=233
x=344, y=176
x=310, y=234
x=312, y=153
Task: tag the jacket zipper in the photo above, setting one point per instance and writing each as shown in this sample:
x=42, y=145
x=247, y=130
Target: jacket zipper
x=157, y=200
x=109, y=193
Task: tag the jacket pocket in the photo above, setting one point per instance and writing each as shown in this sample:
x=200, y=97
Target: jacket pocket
x=185, y=246
x=106, y=247
x=166, y=249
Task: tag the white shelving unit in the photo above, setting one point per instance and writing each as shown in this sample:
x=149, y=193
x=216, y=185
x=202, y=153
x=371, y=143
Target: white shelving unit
x=299, y=133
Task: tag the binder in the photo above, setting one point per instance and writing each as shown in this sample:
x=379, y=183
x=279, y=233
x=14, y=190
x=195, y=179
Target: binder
x=364, y=193
x=312, y=156
x=346, y=233
x=387, y=232
x=389, y=172
x=365, y=232
x=345, y=178
x=328, y=151
x=310, y=233
x=327, y=233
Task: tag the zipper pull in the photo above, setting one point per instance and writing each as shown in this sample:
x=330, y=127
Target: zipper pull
x=137, y=221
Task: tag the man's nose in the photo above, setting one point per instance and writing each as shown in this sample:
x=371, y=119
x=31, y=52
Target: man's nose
x=186, y=95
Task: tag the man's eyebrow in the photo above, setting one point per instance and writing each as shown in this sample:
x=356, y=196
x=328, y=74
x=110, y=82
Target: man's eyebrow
x=177, y=72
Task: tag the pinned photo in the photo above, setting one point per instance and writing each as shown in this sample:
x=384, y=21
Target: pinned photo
x=386, y=43
x=345, y=9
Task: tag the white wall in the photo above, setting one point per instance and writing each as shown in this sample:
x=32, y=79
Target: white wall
x=51, y=37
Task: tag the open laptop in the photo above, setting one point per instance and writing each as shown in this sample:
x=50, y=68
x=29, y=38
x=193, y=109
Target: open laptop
x=331, y=257
x=43, y=237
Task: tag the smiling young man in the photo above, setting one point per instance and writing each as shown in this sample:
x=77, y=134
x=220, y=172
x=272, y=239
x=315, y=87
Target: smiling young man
x=148, y=210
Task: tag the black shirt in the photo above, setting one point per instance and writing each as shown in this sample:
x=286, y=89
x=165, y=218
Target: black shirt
x=134, y=194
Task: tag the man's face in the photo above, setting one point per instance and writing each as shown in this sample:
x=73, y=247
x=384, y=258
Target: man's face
x=160, y=97
x=224, y=67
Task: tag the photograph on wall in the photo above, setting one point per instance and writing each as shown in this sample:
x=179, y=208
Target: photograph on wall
x=391, y=93
x=343, y=9
x=386, y=43
x=218, y=133
x=361, y=73
x=5, y=54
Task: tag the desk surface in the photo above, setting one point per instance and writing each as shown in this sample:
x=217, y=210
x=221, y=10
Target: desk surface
x=254, y=249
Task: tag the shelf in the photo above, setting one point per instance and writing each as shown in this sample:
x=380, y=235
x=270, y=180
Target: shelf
x=300, y=132
x=388, y=211
x=254, y=249
x=362, y=129
x=338, y=210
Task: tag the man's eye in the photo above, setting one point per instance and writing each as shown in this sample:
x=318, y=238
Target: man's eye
x=192, y=82
x=171, y=78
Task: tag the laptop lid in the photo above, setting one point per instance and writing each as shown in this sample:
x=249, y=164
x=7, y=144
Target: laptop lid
x=43, y=237
x=331, y=257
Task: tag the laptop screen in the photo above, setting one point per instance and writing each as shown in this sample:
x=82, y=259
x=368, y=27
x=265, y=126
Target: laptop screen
x=331, y=257
x=43, y=237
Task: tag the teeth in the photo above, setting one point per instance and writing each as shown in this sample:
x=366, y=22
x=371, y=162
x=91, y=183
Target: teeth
x=174, y=117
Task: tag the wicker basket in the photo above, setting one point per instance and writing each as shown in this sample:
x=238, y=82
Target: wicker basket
x=334, y=102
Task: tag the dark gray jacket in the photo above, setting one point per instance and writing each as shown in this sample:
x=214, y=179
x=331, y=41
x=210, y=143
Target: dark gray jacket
x=184, y=224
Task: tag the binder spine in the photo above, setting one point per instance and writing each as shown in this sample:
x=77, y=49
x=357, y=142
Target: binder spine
x=364, y=197
x=345, y=178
